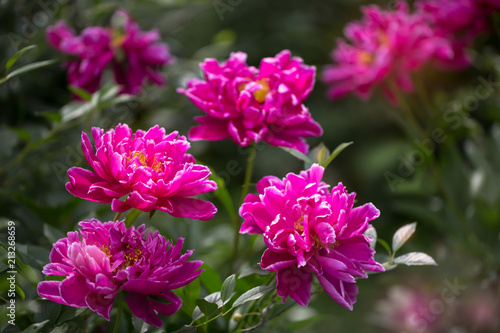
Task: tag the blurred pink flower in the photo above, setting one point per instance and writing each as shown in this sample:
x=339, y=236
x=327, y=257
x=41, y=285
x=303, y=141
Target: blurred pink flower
x=249, y=105
x=142, y=55
x=387, y=45
x=134, y=55
x=110, y=258
x=91, y=50
x=150, y=168
x=488, y=5
x=458, y=21
x=310, y=231
x=406, y=310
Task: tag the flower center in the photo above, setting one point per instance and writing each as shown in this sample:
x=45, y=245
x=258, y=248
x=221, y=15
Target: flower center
x=299, y=224
x=365, y=57
x=260, y=95
x=132, y=257
x=382, y=38
x=155, y=165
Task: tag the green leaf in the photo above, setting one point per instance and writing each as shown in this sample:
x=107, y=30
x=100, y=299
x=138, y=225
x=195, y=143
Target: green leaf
x=222, y=194
x=23, y=134
x=372, y=233
x=385, y=245
x=132, y=216
x=28, y=68
x=82, y=93
x=318, y=154
x=52, y=116
x=14, y=58
x=228, y=288
x=51, y=233
x=206, y=307
x=139, y=325
x=337, y=151
x=20, y=292
x=253, y=270
x=210, y=279
x=252, y=294
x=402, y=235
x=297, y=154
x=74, y=110
x=415, y=259
x=47, y=310
x=35, y=327
x=108, y=93
x=68, y=313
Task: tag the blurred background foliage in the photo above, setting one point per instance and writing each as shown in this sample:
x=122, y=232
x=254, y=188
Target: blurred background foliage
x=453, y=190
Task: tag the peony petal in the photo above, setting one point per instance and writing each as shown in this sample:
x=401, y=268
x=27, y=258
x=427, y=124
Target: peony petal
x=187, y=208
x=50, y=290
x=141, y=307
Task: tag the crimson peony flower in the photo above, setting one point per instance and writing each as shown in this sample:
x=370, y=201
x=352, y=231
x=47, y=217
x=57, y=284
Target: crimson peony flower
x=91, y=50
x=249, y=105
x=150, y=168
x=459, y=21
x=142, y=54
x=311, y=231
x=385, y=45
x=134, y=55
x=110, y=258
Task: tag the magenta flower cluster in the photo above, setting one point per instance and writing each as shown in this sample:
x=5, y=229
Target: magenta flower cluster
x=309, y=230
x=251, y=105
x=151, y=169
x=108, y=259
x=386, y=46
x=134, y=56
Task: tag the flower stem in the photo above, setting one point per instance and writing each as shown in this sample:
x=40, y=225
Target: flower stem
x=248, y=174
x=432, y=162
x=410, y=118
x=117, y=216
x=119, y=313
x=244, y=192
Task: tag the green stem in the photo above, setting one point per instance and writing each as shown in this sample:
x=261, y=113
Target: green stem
x=119, y=313
x=117, y=216
x=248, y=173
x=245, y=190
x=410, y=118
x=434, y=167
x=423, y=94
x=245, y=321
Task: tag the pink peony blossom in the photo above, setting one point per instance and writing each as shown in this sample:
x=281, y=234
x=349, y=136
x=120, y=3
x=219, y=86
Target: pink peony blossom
x=110, y=258
x=387, y=45
x=142, y=55
x=91, y=50
x=133, y=54
x=458, y=21
x=150, y=168
x=311, y=231
x=407, y=310
x=249, y=105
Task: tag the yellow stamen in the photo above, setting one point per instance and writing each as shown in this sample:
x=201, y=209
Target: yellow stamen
x=117, y=41
x=260, y=95
x=365, y=57
x=383, y=39
x=142, y=159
